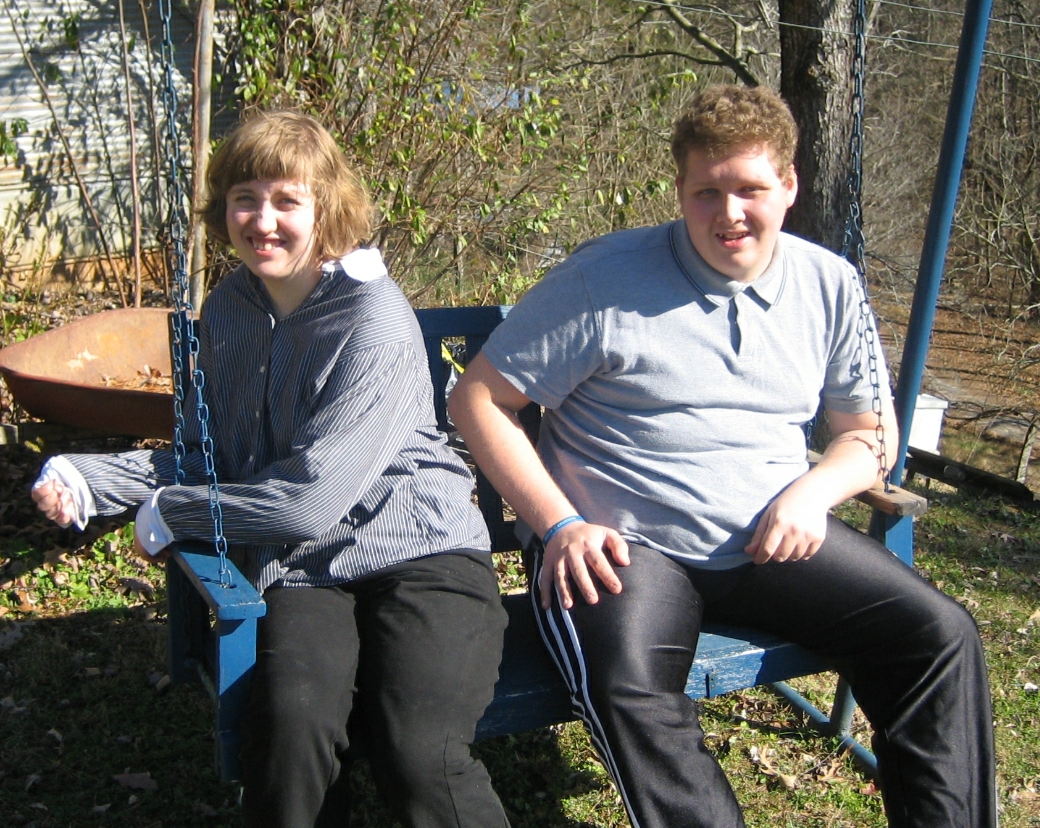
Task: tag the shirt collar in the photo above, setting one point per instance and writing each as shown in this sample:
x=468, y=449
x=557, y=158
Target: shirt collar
x=362, y=265
x=718, y=288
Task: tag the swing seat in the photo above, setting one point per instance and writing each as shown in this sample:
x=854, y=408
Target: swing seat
x=213, y=628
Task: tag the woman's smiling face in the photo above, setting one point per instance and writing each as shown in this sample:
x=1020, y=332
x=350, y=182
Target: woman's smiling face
x=272, y=225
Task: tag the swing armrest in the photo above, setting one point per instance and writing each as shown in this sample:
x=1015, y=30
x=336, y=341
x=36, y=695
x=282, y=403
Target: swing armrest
x=228, y=603
x=897, y=501
x=213, y=630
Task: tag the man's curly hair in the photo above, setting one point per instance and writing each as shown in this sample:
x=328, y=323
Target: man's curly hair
x=725, y=118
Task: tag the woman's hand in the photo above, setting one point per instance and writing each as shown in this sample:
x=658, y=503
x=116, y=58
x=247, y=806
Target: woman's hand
x=55, y=501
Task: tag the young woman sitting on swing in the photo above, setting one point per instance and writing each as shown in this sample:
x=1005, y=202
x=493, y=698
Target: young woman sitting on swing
x=341, y=501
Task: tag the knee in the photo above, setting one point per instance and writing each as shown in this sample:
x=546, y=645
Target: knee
x=420, y=764
x=292, y=716
x=946, y=625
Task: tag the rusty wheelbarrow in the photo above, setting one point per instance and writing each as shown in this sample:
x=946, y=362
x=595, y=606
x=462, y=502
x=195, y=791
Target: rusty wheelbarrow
x=100, y=372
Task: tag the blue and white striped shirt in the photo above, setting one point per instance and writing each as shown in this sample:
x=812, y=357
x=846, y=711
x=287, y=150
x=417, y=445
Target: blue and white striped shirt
x=328, y=456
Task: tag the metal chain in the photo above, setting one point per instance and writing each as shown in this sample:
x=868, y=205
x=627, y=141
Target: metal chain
x=853, y=244
x=185, y=343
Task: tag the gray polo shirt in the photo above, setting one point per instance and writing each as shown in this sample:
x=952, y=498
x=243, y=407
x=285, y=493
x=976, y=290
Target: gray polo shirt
x=675, y=397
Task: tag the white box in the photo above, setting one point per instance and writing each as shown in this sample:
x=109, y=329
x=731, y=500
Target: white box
x=926, y=427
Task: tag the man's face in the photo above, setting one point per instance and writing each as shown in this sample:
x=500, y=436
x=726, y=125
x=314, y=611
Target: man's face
x=734, y=207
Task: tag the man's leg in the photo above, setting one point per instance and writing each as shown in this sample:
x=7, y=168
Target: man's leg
x=294, y=727
x=626, y=660
x=913, y=658
x=431, y=642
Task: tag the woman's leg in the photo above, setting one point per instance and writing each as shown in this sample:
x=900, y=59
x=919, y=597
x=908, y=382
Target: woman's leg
x=626, y=660
x=913, y=658
x=431, y=642
x=294, y=727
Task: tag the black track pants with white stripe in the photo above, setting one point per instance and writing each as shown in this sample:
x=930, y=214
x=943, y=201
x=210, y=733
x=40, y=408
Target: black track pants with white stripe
x=911, y=654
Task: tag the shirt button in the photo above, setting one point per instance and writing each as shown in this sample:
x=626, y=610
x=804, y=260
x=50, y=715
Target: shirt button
x=251, y=458
x=257, y=413
x=263, y=368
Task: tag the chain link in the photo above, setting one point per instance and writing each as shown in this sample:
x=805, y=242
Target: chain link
x=853, y=244
x=185, y=343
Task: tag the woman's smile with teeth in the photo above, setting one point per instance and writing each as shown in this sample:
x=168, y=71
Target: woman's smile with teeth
x=276, y=216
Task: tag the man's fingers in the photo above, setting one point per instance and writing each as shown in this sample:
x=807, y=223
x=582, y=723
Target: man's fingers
x=605, y=572
x=583, y=581
x=618, y=547
x=577, y=560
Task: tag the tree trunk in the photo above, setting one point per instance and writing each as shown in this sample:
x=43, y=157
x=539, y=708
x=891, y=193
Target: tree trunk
x=815, y=79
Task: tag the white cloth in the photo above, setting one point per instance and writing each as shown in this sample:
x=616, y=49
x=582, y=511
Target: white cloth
x=150, y=528
x=60, y=469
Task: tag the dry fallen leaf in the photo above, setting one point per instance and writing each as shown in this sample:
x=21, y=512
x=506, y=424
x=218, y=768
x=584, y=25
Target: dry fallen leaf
x=57, y=736
x=204, y=809
x=24, y=599
x=100, y=809
x=829, y=772
x=139, y=587
x=9, y=636
x=31, y=780
x=56, y=557
x=136, y=781
x=8, y=703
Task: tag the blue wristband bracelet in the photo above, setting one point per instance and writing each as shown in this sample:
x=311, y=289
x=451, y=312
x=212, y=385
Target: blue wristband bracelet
x=556, y=527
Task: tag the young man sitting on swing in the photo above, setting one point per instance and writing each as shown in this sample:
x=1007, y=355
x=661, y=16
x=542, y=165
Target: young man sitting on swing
x=341, y=500
x=678, y=366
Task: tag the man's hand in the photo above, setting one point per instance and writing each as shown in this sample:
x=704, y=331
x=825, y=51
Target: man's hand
x=792, y=528
x=572, y=553
x=55, y=501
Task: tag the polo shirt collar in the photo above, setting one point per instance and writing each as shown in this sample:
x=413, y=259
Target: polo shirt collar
x=717, y=288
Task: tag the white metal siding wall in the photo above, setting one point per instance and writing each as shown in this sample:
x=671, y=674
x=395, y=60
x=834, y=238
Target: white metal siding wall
x=87, y=89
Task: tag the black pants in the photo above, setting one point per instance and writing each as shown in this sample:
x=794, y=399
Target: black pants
x=418, y=645
x=911, y=654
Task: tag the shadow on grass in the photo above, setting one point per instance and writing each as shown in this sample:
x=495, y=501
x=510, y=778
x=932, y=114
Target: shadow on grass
x=80, y=707
x=86, y=738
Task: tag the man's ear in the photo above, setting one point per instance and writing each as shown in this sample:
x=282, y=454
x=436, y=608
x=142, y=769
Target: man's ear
x=791, y=185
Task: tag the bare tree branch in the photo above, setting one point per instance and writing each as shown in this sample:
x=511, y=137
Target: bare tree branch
x=724, y=57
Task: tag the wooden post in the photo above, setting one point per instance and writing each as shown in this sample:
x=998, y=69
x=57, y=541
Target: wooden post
x=200, y=147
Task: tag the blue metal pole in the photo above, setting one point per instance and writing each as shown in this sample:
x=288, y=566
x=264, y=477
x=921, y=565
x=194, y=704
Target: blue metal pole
x=940, y=219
